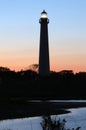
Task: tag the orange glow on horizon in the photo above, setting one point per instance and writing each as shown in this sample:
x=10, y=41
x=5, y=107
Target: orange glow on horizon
x=55, y=68
x=75, y=69
x=58, y=62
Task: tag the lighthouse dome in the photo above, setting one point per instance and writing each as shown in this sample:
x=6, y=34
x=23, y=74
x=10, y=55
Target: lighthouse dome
x=44, y=14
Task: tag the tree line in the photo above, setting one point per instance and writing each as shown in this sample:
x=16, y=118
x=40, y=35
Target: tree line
x=28, y=84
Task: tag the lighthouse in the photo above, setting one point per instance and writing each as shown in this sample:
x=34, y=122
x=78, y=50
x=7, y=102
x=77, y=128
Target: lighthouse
x=44, y=63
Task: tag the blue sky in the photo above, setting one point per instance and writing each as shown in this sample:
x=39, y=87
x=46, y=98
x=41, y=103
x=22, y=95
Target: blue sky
x=20, y=32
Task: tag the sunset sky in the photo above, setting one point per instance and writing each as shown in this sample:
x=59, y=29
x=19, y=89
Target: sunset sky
x=20, y=33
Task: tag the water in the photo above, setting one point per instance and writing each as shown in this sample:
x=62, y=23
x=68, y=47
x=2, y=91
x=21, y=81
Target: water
x=77, y=117
x=55, y=101
x=21, y=124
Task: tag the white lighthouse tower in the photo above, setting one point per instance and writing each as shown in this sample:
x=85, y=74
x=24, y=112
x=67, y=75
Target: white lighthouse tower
x=44, y=64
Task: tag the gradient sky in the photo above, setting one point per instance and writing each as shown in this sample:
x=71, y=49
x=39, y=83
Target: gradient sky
x=20, y=32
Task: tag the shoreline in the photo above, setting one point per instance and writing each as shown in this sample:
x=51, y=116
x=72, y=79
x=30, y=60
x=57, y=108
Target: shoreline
x=21, y=109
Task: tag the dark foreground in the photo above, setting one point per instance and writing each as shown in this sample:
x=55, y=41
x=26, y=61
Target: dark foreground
x=27, y=83
x=20, y=108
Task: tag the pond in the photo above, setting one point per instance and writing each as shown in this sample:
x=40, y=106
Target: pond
x=77, y=117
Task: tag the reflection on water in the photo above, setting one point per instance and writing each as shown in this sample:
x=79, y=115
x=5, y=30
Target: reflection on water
x=74, y=119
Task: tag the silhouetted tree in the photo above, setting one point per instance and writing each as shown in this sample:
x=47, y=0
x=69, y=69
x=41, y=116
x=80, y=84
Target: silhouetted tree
x=34, y=67
x=4, y=69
